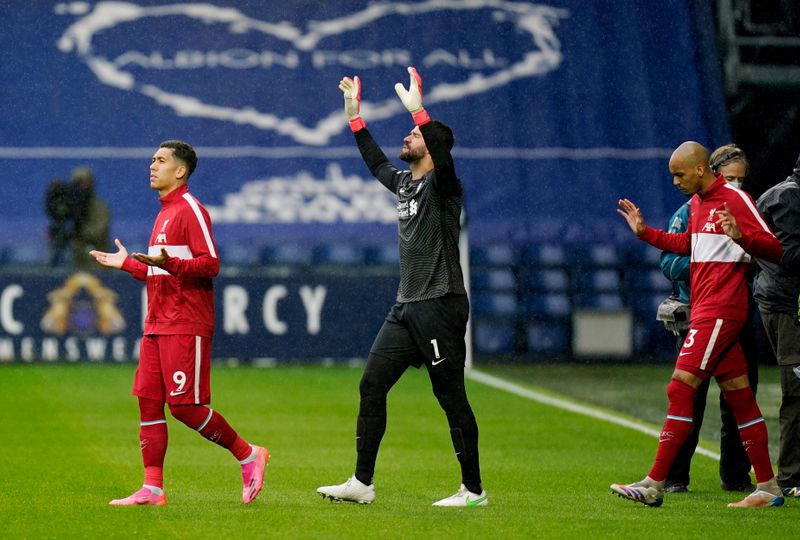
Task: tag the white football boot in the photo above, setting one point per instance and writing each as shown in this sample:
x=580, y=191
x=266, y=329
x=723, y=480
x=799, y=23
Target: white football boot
x=351, y=491
x=464, y=497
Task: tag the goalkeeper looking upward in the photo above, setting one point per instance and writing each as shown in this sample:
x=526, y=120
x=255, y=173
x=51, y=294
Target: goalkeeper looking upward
x=427, y=324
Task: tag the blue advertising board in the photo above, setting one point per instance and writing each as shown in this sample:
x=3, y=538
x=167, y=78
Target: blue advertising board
x=286, y=315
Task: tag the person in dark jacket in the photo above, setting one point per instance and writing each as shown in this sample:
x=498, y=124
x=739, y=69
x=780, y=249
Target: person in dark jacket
x=776, y=291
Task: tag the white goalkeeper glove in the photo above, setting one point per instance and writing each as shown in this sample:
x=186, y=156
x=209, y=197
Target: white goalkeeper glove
x=412, y=98
x=351, y=88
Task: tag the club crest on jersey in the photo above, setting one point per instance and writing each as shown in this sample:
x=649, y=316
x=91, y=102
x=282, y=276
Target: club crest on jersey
x=710, y=225
x=161, y=238
x=407, y=209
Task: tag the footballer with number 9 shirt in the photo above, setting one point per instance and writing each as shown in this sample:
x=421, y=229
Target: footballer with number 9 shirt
x=175, y=353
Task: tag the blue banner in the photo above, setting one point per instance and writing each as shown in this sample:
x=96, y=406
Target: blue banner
x=559, y=108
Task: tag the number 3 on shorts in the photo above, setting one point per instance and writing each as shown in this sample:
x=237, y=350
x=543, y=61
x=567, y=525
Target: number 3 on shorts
x=690, y=338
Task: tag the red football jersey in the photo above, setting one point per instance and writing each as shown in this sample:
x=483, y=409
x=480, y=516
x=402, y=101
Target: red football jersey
x=180, y=296
x=719, y=265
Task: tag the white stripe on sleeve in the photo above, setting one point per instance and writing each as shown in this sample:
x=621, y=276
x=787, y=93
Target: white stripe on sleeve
x=206, y=234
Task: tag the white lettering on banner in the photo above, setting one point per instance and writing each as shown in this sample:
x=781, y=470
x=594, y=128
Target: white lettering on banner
x=118, y=349
x=301, y=198
x=537, y=52
x=313, y=299
x=49, y=349
x=270, y=310
x=26, y=349
x=7, y=350
x=7, y=321
x=96, y=349
x=234, y=306
x=72, y=349
x=230, y=59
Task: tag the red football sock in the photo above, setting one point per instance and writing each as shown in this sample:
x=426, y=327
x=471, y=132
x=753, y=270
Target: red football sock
x=152, y=440
x=676, y=428
x=752, y=430
x=213, y=426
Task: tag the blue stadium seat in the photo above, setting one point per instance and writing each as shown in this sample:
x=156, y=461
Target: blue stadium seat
x=493, y=255
x=543, y=255
x=548, y=279
x=602, y=301
x=548, y=337
x=605, y=280
x=493, y=304
x=384, y=254
x=640, y=253
x=238, y=253
x=338, y=253
x=492, y=337
x=286, y=254
x=494, y=279
x=27, y=253
x=595, y=255
x=649, y=280
x=645, y=303
x=650, y=338
x=548, y=305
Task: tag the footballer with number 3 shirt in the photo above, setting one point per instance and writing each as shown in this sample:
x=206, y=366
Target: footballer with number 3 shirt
x=175, y=353
x=725, y=232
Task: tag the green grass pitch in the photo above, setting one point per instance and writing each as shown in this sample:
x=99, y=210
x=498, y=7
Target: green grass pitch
x=69, y=444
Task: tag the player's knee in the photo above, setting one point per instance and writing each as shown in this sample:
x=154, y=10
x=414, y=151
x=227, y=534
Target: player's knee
x=191, y=415
x=679, y=391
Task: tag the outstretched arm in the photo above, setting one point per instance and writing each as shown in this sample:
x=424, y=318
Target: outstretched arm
x=111, y=260
x=632, y=214
x=445, y=179
x=120, y=260
x=351, y=88
x=377, y=162
x=675, y=243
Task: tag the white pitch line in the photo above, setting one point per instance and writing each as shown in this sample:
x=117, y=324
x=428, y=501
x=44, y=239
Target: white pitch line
x=496, y=382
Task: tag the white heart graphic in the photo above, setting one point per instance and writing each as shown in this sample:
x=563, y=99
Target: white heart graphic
x=537, y=21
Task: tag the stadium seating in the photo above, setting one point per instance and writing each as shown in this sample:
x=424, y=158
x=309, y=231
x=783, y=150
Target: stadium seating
x=383, y=254
x=338, y=253
x=548, y=337
x=494, y=337
x=288, y=253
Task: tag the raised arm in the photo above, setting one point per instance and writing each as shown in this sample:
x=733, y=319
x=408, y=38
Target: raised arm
x=379, y=165
x=445, y=179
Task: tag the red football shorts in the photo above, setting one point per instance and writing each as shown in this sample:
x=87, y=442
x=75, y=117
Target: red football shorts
x=712, y=348
x=175, y=369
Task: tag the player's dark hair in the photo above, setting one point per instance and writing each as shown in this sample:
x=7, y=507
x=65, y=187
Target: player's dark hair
x=444, y=133
x=184, y=152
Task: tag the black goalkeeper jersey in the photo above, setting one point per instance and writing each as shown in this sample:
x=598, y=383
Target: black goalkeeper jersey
x=428, y=213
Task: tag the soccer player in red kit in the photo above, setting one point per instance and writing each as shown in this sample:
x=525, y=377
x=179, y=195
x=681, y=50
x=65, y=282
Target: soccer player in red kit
x=175, y=354
x=725, y=231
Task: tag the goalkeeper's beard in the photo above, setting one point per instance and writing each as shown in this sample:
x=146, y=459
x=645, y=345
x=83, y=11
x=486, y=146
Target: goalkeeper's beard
x=410, y=156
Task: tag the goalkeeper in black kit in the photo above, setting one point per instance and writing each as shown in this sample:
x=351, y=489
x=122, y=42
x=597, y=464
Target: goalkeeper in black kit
x=427, y=324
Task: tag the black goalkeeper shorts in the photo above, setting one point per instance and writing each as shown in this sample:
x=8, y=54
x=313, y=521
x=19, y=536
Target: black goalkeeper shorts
x=425, y=332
